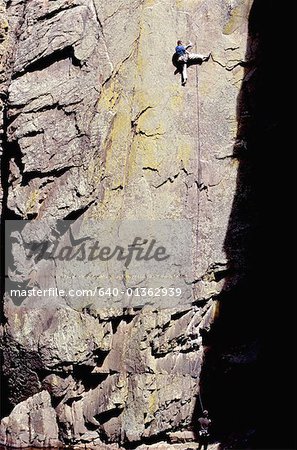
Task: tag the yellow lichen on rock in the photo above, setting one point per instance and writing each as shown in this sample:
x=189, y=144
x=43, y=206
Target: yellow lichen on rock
x=32, y=203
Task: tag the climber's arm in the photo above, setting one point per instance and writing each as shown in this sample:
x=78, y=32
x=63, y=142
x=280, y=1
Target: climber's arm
x=189, y=45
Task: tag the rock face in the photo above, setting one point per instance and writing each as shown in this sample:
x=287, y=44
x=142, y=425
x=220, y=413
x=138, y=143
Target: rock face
x=97, y=125
x=32, y=422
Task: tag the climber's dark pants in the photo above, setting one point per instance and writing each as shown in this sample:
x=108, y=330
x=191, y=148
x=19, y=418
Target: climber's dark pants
x=183, y=60
x=203, y=442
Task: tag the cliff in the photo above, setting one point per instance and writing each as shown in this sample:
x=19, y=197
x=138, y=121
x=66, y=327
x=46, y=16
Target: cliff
x=96, y=125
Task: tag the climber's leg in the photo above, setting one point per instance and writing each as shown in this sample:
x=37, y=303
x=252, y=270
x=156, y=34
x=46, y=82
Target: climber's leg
x=197, y=57
x=182, y=60
x=184, y=73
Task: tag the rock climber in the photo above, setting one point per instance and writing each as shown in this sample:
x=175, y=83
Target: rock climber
x=183, y=57
x=204, y=423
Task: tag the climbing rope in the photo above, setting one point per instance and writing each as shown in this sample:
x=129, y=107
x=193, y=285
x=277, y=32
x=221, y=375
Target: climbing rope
x=200, y=401
x=199, y=171
x=199, y=168
x=198, y=146
x=198, y=150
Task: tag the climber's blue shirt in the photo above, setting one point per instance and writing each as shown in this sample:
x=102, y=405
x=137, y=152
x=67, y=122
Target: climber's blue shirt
x=180, y=50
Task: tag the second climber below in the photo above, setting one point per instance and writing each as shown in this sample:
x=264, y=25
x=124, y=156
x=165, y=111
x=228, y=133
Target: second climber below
x=184, y=57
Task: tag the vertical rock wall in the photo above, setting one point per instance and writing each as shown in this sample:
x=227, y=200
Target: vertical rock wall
x=97, y=125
